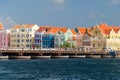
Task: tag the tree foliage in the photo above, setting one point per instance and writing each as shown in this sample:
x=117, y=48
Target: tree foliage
x=65, y=45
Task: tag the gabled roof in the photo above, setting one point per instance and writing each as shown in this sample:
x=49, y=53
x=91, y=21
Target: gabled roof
x=106, y=29
x=81, y=30
x=29, y=25
x=116, y=29
x=16, y=26
x=1, y=26
x=88, y=31
x=73, y=31
x=52, y=29
x=64, y=30
x=26, y=25
x=43, y=28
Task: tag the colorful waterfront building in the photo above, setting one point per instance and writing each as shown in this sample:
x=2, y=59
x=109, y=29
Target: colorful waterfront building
x=60, y=37
x=44, y=37
x=8, y=38
x=104, y=36
x=98, y=39
x=22, y=36
x=86, y=39
x=3, y=37
x=52, y=37
x=66, y=35
x=74, y=39
x=80, y=32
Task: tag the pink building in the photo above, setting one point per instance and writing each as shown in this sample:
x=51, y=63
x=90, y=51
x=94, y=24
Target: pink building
x=4, y=39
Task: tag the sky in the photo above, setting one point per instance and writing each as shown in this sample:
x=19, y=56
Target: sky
x=64, y=13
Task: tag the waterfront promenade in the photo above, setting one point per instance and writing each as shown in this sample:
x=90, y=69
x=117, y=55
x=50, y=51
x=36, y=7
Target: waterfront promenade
x=38, y=54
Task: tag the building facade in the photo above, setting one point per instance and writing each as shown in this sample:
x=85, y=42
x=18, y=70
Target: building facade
x=105, y=37
x=4, y=43
x=44, y=37
x=22, y=36
x=86, y=40
x=80, y=32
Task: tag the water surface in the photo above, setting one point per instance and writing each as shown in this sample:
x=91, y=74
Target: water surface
x=60, y=69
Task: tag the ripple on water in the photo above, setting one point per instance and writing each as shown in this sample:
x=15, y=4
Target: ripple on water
x=60, y=69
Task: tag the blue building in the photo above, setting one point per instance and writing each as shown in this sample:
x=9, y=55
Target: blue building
x=44, y=38
x=48, y=41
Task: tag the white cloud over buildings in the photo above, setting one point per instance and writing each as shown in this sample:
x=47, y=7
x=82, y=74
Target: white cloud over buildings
x=113, y=2
x=7, y=22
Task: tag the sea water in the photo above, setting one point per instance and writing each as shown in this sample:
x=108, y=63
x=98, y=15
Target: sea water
x=61, y=69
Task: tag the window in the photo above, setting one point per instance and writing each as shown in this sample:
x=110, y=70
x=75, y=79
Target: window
x=27, y=45
x=18, y=45
x=30, y=29
x=22, y=36
x=27, y=35
x=18, y=35
x=98, y=45
x=27, y=40
x=23, y=30
x=93, y=45
x=22, y=40
x=18, y=40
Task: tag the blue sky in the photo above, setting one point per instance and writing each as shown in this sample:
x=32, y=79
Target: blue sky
x=66, y=13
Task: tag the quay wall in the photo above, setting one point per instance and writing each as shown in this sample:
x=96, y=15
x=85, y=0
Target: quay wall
x=36, y=54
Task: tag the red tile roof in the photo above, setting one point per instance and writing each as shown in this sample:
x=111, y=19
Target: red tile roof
x=43, y=28
x=73, y=32
x=116, y=29
x=81, y=30
x=16, y=26
x=88, y=30
x=106, y=29
x=52, y=29
x=64, y=30
x=26, y=25
x=29, y=25
x=1, y=26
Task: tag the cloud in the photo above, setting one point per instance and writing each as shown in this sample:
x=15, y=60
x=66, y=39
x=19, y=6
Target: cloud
x=7, y=22
x=55, y=4
x=92, y=14
x=114, y=2
x=103, y=15
x=58, y=1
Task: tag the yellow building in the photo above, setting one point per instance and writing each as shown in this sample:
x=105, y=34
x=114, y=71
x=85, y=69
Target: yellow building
x=22, y=36
x=105, y=37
